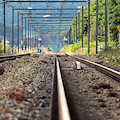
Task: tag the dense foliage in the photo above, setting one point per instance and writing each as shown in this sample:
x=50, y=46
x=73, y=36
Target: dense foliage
x=113, y=19
x=112, y=54
x=8, y=48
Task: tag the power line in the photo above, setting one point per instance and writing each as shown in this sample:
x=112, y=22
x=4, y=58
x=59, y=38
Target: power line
x=50, y=1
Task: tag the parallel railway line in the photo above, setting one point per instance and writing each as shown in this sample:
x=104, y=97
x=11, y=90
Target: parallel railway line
x=109, y=72
x=12, y=57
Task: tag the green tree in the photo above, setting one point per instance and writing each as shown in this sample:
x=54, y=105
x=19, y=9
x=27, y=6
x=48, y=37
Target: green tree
x=114, y=19
x=8, y=48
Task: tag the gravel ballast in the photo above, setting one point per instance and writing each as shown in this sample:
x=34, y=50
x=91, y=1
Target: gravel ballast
x=103, y=62
x=95, y=95
x=25, y=88
x=26, y=83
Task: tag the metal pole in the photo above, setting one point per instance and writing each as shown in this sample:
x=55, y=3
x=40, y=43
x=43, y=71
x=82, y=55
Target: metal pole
x=40, y=46
x=70, y=33
x=79, y=26
x=25, y=33
x=76, y=29
x=88, y=26
x=105, y=23
x=96, y=26
x=32, y=39
x=28, y=35
x=74, y=37
x=82, y=25
x=4, y=28
x=108, y=23
x=12, y=30
x=35, y=37
x=36, y=42
x=69, y=36
x=18, y=32
x=119, y=40
x=22, y=30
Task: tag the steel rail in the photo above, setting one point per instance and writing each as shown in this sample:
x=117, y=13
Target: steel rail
x=108, y=71
x=12, y=57
x=63, y=106
x=59, y=106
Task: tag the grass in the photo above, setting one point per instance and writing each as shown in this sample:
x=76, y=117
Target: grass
x=8, y=48
x=35, y=49
x=35, y=56
x=112, y=54
x=23, y=61
x=77, y=47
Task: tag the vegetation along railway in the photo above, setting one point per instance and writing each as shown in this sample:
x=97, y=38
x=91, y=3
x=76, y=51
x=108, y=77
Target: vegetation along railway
x=59, y=60
x=46, y=86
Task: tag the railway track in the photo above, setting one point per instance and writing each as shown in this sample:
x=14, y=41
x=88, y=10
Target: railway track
x=12, y=57
x=79, y=103
x=83, y=94
x=109, y=72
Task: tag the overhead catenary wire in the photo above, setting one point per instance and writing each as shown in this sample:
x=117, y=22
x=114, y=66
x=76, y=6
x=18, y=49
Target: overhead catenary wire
x=48, y=10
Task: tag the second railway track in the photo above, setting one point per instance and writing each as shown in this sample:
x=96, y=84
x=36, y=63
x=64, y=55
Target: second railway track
x=90, y=95
x=110, y=72
x=12, y=57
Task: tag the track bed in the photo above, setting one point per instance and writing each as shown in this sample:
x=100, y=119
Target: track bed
x=25, y=88
x=91, y=95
